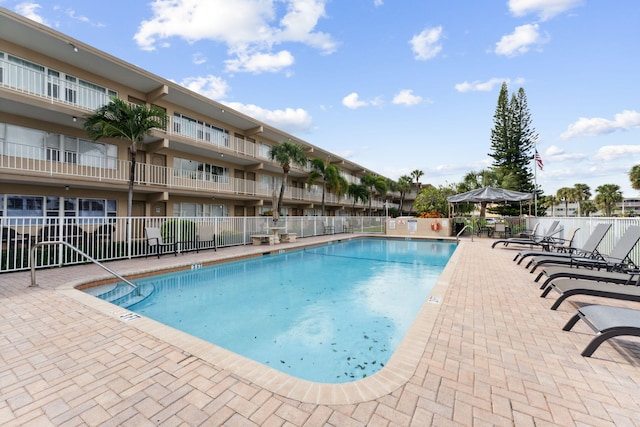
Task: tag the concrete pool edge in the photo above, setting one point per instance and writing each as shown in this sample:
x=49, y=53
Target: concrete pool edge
x=397, y=372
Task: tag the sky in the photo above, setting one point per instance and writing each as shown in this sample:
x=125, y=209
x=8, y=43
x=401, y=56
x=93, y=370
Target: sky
x=396, y=85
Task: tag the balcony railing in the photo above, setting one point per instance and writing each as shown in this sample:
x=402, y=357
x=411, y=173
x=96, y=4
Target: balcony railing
x=42, y=161
x=55, y=89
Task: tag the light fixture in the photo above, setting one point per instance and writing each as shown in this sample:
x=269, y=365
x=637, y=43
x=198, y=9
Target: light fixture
x=66, y=187
x=222, y=110
x=74, y=118
x=73, y=46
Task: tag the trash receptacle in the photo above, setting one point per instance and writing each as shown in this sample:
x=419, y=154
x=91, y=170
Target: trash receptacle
x=458, y=227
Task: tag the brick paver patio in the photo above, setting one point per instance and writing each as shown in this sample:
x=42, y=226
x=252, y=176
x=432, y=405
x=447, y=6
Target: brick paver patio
x=496, y=355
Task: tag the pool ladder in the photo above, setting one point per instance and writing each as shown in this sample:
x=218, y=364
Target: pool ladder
x=60, y=242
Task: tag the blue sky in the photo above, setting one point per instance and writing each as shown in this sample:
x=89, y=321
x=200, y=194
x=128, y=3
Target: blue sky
x=396, y=85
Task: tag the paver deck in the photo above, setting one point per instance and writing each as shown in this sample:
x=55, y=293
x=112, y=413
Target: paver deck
x=485, y=350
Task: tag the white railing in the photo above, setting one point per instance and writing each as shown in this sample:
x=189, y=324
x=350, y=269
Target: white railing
x=105, y=239
x=36, y=83
x=38, y=160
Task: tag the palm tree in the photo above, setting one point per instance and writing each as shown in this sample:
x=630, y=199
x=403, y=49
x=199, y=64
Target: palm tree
x=607, y=197
x=330, y=177
x=404, y=185
x=634, y=177
x=417, y=174
x=121, y=120
x=287, y=154
x=588, y=207
x=358, y=192
x=566, y=195
x=583, y=193
x=374, y=183
x=551, y=202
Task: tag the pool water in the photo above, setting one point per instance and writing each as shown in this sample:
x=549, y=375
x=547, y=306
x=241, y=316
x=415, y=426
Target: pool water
x=329, y=314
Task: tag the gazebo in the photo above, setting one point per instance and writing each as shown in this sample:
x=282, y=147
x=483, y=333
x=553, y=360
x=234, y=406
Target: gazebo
x=489, y=195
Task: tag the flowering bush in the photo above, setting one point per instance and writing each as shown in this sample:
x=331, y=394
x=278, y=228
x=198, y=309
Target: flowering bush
x=431, y=214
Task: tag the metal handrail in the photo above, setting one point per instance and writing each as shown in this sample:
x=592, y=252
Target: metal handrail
x=58, y=242
x=461, y=231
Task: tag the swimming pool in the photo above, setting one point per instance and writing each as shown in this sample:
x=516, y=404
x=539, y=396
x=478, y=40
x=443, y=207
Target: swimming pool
x=330, y=314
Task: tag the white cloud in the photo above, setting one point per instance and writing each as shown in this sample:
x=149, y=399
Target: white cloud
x=260, y=62
x=557, y=154
x=406, y=97
x=520, y=40
x=210, y=86
x=377, y=3
x=478, y=86
x=249, y=28
x=612, y=152
x=545, y=9
x=426, y=45
x=292, y=120
x=198, y=58
x=353, y=101
x=30, y=10
x=597, y=126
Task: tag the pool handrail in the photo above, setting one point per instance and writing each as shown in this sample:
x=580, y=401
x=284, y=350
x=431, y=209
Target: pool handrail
x=462, y=231
x=61, y=242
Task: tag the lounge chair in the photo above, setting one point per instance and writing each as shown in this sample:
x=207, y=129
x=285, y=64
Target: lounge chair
x=607, y=322
x=561, y=272
x=560, y=245
x=589, y=249
x=543, y=241
x=617, y=260
x=156, y=244
x=569, y=287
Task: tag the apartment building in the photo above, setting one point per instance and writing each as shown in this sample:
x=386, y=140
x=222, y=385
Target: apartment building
x=209, y=161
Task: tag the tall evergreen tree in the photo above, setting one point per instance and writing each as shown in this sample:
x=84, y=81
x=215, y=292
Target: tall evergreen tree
x=512, y=143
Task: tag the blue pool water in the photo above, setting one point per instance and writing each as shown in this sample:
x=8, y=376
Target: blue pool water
x=330, y=314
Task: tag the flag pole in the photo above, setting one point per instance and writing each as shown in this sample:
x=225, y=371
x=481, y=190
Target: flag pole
x=535, y=179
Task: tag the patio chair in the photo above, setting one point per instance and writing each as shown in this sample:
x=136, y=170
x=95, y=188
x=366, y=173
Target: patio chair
x=156, y=244
x=617, y=260
x=71, y=234
x=543, y=241
x=589, y=249
x=327, y=228
x=607, y=322
x=206, y=238
x=569, y=287
x=559, y=245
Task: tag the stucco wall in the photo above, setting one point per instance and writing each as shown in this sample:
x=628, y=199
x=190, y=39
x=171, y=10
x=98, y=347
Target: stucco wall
x=422, y=227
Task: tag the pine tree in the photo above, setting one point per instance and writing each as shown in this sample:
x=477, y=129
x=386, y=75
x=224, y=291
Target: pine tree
x=512, y=143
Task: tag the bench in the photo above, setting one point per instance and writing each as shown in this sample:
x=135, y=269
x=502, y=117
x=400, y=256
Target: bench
x=288, y=237
x=259, y=239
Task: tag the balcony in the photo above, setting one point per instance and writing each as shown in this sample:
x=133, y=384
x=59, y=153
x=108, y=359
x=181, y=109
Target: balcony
x=37, y=162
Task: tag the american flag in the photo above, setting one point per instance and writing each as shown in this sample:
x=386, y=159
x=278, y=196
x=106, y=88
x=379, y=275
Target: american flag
x=539, y=160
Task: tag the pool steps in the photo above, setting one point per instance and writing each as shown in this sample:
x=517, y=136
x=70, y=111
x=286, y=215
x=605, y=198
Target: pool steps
x=121, y=294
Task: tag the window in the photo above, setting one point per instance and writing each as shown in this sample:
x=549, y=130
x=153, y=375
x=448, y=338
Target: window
x=263, y=150
x=199, y=210
x=70, y=92
x=200, y=130
x=25, y=75
x=25, y=205
x=208, y=172
x=53, y=84
x=36, y=144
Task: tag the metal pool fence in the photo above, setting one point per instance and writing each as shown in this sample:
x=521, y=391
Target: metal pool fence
x=114, y=238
